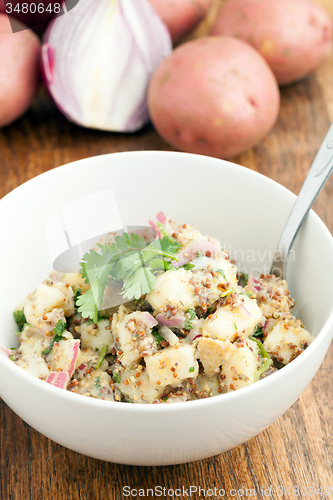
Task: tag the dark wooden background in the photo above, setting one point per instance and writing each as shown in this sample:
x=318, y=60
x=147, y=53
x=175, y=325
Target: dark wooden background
x=297, y=450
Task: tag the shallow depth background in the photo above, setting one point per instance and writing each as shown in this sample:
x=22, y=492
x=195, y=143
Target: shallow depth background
x=297, y=450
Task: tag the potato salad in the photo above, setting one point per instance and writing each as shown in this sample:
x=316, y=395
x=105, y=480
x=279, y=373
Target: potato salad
x=187, y=325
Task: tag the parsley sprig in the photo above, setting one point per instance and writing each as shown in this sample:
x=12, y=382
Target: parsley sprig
x=129, y=260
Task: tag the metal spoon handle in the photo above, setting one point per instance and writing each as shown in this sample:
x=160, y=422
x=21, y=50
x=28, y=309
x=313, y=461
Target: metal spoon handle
x=319, y=172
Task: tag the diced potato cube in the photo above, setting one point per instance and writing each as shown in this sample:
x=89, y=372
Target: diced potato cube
x=96, y=385
x=172, y=288
x=46, y=297
x=240, y=368
x=172, y=365
x=64, y=356
x=211, y=353
x=203, y=386
x=34, y=365
x=134, y=337
x=32, y=342
x=220, y=263
x=135, y=384
x=273, y=295
x=287, y=339
x=75, y=280
x=235, y=320
x=96, y=338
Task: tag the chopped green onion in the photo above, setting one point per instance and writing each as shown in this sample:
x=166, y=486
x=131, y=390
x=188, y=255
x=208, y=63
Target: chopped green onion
x=264, y=367
x=221, y=272
x=227, y=292
x=261, y=348
x=101, y=356
x=116, y=378
x=191, y=369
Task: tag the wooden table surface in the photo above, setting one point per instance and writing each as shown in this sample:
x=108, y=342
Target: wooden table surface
x=296, y=451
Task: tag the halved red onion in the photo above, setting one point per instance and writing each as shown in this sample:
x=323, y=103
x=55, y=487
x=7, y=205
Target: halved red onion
x=97, y=61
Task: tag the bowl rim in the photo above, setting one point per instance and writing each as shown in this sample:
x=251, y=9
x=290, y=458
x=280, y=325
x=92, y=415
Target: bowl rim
x=221, y=399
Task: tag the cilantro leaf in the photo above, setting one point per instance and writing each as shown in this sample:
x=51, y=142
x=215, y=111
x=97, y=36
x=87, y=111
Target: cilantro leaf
x=87, y=306
x=129, y=260
x=77, y=294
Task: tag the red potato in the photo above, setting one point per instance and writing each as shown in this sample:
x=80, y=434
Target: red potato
x=214, y=96
x=19, y=71
x=181, y=16
x=294, y=36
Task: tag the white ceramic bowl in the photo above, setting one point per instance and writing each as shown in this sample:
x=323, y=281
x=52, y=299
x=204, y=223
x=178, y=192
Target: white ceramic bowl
x=247, y=212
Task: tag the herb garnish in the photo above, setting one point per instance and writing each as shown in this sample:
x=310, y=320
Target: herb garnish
x=264, y=367
x=77, y=294
x=188, y=266
x=58, y=331
x=101, y=357
x=128, y=259
x=222, y=273
x=20, y=319
x=228, y=292
x=98, y=383
x=262, y=350
x=243, y=279
x=157, y=336
x=268, y=361
x=257, y=332
x=189, y=320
